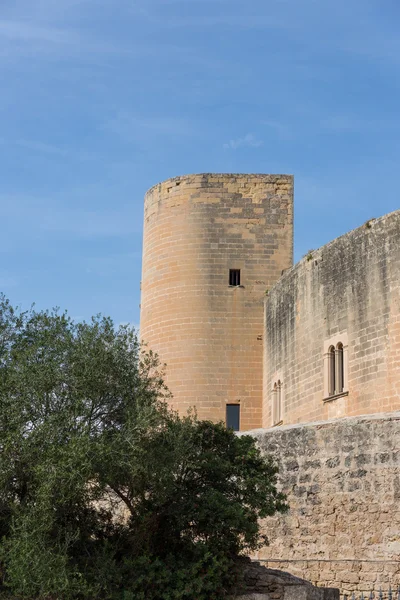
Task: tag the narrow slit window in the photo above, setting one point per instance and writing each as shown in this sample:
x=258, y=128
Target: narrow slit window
x=234, y=277
x=233, y=416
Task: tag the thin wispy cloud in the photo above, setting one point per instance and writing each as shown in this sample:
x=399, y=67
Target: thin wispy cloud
x=106, y=266
x=281, y=130
x=38, y=148
x=35, y=215
x=247, y=141
x=41, y=147
x=133, y=127
x=21, y=38
x=233, y=21
x=28, y=32
x=353, y=123
x=7, y=281
x=89, y=224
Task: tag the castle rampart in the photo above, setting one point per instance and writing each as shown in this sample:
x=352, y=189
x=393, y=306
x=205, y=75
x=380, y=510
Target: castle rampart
x=332, y=329
x=204, y=326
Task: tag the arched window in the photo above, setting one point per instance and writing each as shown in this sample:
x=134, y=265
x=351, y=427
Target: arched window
x=274, y=401
x=339, y=375
x=331, y=371
x=336, y=366
x=277, y=401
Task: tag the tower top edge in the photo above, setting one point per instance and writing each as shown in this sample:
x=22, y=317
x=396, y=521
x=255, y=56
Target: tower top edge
x=226, y=176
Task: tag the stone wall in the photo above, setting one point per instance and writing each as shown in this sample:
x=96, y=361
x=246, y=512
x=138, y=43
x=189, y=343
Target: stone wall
x=347, y=291
x=197, y=228
x=342, y=479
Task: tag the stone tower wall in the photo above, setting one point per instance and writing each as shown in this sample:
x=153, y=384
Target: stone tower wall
x=348, y=291
x=209, y=334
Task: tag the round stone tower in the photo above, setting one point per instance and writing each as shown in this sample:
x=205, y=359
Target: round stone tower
x=213, y=246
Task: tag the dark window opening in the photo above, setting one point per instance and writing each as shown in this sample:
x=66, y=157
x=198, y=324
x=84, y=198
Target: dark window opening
x=233, y=416
x=234, y=276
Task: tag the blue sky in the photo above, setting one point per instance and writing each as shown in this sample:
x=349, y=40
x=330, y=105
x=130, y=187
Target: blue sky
x=101, y=99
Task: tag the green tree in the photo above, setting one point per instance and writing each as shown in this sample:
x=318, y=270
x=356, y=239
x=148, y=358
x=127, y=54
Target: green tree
x=105, y=492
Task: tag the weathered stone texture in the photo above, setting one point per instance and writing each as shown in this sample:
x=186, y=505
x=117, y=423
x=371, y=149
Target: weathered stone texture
x=196, y=228
x=342, y=479
x=349, y=287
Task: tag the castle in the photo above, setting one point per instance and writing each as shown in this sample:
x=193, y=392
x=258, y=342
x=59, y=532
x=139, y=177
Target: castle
x=305, y=356
x=247, y=337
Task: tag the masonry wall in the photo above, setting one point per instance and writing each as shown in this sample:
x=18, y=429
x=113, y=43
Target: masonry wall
x=342, y=479
x=349, y=291
x=196, y=228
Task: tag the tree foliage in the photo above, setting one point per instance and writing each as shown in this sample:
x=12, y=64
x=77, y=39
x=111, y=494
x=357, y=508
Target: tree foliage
x=104, y=491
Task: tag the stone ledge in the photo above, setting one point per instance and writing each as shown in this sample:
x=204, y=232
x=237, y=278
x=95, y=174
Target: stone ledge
x=335, y=397
x=351, y=420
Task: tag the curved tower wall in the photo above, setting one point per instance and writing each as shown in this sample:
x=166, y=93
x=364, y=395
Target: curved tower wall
x=197, y=228
x=347, y=291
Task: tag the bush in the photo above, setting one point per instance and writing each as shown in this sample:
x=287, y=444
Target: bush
x=105, y=492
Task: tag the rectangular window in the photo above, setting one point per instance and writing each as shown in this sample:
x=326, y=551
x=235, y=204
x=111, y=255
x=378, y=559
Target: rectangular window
x=234, y=276
x=233, y=416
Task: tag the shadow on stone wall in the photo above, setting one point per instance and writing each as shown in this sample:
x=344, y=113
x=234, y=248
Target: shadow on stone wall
x=269, y=584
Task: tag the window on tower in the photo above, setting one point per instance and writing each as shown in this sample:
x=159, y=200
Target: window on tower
x=234, y=277
x=233, y=416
